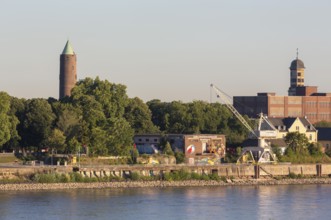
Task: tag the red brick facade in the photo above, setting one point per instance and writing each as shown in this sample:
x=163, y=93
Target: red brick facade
x=68, y=74
x=315, y=108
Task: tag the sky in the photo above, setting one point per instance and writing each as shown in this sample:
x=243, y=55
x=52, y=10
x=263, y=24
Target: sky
x=165, y=49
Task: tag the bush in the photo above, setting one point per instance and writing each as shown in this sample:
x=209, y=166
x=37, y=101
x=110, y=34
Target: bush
x=195, y=176
x=76, y=177
x=295, y=176
x=214, y=176
x=223, y=178
x=180, y=157
x=168, y=150
x=134, y=176
x=205, y=177
x=64, y=178
x=44, y=178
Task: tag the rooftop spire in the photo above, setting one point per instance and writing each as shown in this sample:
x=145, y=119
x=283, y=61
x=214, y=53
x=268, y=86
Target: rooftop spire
x=297, y=53
x=68, y=49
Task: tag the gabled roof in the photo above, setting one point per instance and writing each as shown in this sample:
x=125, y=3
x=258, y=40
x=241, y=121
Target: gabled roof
x=68, y=49
x=288, y=122
x=324, y=134
x=265, y=126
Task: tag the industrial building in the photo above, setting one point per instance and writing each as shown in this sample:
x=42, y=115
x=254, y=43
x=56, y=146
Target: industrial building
x=302, y=101
x=198, y=148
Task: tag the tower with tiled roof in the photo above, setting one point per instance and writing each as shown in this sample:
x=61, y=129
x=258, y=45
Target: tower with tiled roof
x=297, y=78
x=68, y=70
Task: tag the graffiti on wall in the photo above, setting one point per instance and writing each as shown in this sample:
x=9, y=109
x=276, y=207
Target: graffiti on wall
x=217, y=148
x=190, y=149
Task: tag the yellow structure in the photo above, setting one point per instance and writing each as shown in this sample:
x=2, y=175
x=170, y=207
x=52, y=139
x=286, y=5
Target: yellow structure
x=301, y=125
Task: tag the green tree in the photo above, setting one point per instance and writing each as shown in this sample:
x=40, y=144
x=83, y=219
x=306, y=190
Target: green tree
x=167, y=150
x=73, y=146
x=134, y=155
x=98, y=141
x=120, y=137
x=297, y=142
x=160, y=114
x=139, y=116
x=16, y=109
x=315, y=149
x=112, y=97
x=197, y=115
x=5, y=121
x=67, y=117
x=37, y=123
x=57, y=140
x=103, y=127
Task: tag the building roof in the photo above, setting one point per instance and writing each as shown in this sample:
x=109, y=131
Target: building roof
x=68, y=49
x=286, y=123
x=324, y=134
x=296, y=64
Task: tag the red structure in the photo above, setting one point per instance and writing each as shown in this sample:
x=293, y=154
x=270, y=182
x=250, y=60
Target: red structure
x=303, y=101
x=68, y=71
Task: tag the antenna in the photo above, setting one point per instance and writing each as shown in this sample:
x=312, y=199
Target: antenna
x=297, y=53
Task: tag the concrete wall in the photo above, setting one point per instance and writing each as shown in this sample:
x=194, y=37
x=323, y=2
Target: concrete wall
x=227, y=170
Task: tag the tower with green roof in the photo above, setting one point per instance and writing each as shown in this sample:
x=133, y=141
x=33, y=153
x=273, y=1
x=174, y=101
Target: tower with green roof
x=68, y=70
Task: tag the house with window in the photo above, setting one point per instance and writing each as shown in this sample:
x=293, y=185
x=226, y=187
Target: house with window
x=147, y=143
x=298, y=124
x=284, y=126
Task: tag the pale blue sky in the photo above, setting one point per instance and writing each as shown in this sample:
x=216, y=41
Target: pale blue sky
x=169, y=49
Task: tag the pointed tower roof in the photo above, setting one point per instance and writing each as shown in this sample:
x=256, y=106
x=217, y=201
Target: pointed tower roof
x=68, y=49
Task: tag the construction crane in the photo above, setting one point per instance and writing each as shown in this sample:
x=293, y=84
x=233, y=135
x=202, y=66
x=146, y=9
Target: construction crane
x=261, y=153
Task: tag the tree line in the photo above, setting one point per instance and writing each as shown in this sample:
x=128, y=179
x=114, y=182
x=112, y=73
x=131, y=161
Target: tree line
x=99, y=116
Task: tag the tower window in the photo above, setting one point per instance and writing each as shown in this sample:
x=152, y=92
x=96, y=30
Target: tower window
x=299, y=74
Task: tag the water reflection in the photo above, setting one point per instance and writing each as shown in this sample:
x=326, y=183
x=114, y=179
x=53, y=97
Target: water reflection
x=248, y=202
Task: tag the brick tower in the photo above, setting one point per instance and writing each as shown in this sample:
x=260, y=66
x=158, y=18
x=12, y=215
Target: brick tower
x=68, y=71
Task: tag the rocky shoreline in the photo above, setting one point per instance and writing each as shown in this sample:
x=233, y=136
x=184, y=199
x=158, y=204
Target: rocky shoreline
x=159, y=184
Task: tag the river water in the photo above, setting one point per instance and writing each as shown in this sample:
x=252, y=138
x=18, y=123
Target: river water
x=226, y=202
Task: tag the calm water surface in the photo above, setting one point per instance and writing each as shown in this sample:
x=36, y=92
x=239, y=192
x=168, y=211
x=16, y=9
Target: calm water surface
x=239, y=202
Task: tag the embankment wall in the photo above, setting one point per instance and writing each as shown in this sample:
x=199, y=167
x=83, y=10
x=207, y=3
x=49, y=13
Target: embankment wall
x=227, y=170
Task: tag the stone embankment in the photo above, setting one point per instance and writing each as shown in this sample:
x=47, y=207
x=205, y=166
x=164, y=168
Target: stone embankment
x=160, y=184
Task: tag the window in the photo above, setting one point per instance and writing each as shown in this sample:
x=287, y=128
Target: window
x=310, y=137
x=139, y=139
x=297, y=128
x=299, y=74
x=147, y=140
x=155, y=140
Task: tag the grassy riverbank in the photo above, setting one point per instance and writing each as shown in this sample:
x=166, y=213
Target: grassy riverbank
x=181, y=178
